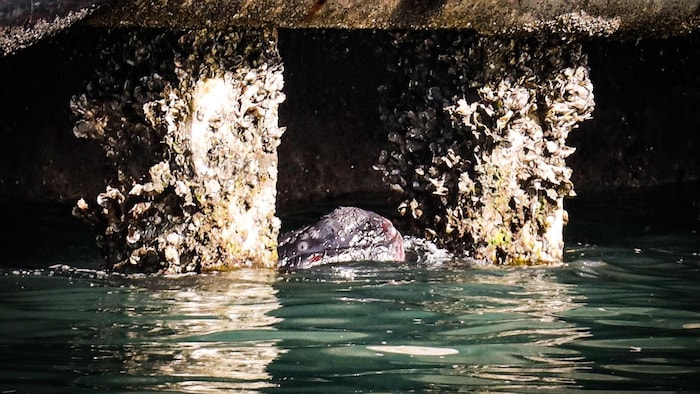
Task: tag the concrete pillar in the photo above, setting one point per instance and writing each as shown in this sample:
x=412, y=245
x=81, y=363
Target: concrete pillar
x=479, y=127
x=188, y=122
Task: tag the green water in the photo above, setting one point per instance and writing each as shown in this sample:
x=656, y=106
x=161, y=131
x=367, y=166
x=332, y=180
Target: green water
x=621, y=315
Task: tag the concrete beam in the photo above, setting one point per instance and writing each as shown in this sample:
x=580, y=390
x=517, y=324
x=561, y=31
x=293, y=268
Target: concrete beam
x=491, y=17
x=23, y=23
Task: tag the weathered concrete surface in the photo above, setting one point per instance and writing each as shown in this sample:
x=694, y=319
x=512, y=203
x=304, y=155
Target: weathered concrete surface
x=25, y=22
x=478, y=156
x=586, y=17
x=641, y=134
x=188, y=124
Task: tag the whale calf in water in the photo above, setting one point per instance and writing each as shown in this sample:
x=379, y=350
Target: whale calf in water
x=346, y=234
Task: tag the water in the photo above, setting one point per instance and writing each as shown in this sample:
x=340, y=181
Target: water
x=621, y=315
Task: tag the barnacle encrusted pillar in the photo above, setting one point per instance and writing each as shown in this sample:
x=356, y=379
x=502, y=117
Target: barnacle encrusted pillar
x=479, y=128
x=189, y=125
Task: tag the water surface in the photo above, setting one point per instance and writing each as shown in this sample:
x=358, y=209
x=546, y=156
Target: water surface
x=621, y=315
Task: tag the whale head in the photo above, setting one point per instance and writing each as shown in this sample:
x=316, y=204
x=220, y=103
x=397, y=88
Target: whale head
x=346, y=234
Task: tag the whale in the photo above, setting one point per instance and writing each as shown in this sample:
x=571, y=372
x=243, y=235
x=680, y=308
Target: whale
x=343, y=235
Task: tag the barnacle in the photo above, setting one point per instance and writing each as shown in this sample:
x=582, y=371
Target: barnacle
x=479, y=133
x=188, y=122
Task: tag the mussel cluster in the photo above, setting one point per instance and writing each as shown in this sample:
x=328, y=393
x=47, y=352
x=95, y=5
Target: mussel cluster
x=479, y=127
x=189, y=126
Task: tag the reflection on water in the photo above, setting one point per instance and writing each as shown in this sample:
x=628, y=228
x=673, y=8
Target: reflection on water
x=192, y=333
x=198, y=321
x=630, y=323
x=620, y=315
x=526, y=311
x=431, y=330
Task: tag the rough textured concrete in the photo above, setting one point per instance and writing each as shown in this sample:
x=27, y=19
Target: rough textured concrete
x=640, y=134
x=585, y=17
x=479, y=128
x=23, y=23
x=188, y=123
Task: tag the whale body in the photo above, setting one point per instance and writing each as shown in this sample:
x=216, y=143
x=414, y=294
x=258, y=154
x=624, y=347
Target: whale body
x=346, y=234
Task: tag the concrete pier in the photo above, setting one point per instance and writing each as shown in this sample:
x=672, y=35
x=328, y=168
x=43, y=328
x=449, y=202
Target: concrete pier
x=489, y=17
x=477, y=108
x=188, y=122
x=479, y=128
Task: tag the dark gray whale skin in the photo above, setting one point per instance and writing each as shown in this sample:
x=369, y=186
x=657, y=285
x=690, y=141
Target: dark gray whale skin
x=346, y=234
